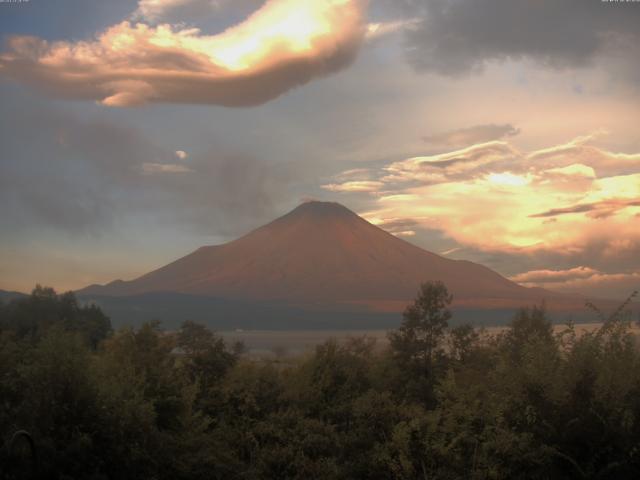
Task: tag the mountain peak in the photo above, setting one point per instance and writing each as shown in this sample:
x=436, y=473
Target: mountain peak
x=319, y=208
x=320, y=253
x=317, y=214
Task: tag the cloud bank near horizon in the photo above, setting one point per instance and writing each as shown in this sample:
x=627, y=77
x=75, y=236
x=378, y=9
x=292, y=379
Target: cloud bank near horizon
x=284, y=44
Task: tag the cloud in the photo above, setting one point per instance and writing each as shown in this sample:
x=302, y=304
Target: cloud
x=353, y=180
x=354, y=174
x=354, y=186
x=86, y=176
x=159, y=168
x=402, y=227
x=284, y=44
x=494, y=203
x=580, y=152
x=601, y=209
x=155, y=10
x=603, y=285
x=472, y=135
x=188, y=11
x=152, y=10
x=181, y=154
x=377, y=30
x=554, y=276
x=575, y=166
x=434, y=169
x=573, y=146
x=585, y=280
x=456, y=37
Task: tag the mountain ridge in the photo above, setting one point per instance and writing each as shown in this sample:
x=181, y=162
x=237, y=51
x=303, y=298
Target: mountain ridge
x=322, y=253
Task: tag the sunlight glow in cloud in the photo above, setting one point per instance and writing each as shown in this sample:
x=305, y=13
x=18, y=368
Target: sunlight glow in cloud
x=574, y=204
x=507, y=179
x=284, y=44
x=380, y=29
x=537, y=277
x=354, y=186
x=492, y=197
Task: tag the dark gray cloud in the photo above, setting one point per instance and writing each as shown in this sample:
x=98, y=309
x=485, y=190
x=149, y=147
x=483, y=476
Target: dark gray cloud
x=83, y=175
x=227, y=194
x=45, y=178
x=601, y=209
x=468, y=136
x=461, y=164
x=457, y=36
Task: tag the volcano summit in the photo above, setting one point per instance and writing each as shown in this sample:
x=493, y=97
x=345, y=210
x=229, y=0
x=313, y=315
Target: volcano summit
x=323, y=254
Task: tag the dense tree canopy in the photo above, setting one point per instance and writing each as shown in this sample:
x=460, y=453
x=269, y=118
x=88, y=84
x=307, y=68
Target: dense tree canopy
x=32, y=317
x=438, y=403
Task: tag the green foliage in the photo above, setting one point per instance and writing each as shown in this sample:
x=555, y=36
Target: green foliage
x=463, y=340
x=438, y=403
x=419, y=339
x=30, y=318
x=205, y=355
x=418, y=346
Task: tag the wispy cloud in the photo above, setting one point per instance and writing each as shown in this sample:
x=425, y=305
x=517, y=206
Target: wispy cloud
x=472, y=135
x=354, y=186
x=573, y=146
x=582, y=279
x=284, y=44
x=402, y=227
x=377, y=30
x=433, y=169
x=601, y=209
x=155, y=168
x=538, y=277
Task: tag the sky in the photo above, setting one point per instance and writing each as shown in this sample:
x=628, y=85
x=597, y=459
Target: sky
x=502, y=132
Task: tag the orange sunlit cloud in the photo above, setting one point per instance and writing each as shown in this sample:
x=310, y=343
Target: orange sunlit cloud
x=581, y=279
x=354, y=186
x=537, y=277
x=284, y=44
x=493, y=197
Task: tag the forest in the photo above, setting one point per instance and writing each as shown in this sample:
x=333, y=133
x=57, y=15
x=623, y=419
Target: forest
x=79, y=400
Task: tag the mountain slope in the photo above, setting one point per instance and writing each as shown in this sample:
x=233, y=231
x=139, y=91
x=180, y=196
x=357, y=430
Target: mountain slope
x=320, y=253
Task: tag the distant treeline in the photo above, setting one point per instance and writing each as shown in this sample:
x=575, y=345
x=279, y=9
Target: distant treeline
x=438, y=403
